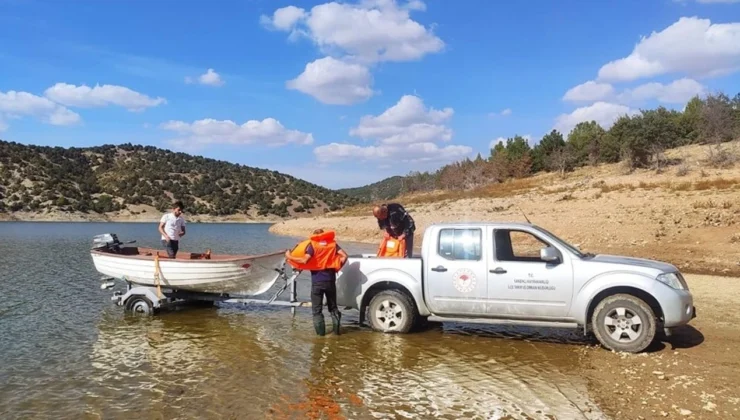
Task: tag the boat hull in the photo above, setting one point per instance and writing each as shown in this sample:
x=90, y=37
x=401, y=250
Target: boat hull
x=238, y=276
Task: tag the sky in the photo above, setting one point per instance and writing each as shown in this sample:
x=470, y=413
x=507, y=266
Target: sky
x=344, y=94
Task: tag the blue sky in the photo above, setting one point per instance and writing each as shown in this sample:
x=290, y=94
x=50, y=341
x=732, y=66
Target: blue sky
x=345, y=94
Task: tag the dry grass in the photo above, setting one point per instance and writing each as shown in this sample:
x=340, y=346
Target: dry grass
x=711, y=204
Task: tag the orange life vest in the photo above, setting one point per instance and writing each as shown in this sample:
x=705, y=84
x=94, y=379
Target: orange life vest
x=325, y=254
x=391, y=247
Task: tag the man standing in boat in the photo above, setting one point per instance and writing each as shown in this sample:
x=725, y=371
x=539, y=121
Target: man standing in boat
x=321, y=255
x=172, y=228
x=397, y=223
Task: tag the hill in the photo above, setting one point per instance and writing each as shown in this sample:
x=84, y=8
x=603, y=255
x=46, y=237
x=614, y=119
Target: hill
x=129, y=179
x=382, y=190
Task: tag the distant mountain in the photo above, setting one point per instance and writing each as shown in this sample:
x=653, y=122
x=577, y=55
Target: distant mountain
x=386, y=189
x=110, y=178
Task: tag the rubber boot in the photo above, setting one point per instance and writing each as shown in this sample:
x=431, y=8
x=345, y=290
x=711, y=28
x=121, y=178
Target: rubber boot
x=336, y=318
x=319, y=325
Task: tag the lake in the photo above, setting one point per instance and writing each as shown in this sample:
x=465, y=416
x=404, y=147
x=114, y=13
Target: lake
x=68, y=352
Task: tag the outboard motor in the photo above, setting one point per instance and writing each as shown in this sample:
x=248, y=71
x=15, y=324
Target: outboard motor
x=108, y=241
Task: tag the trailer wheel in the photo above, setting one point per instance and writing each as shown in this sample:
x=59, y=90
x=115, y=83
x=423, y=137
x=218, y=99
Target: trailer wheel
x=140, y=305
x=391, y=311
x=624, y=323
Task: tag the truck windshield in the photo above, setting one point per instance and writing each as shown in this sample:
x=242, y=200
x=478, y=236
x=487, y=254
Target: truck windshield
x=570, y=247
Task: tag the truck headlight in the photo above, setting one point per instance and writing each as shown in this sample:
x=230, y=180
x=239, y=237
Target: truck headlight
x=670, y=279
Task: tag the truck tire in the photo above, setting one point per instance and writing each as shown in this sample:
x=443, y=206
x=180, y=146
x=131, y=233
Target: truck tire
x=391, y=311
x=624, y=323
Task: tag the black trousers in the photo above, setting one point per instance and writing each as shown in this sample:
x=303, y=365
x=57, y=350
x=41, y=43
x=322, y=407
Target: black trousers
x=319, y=289
x=171, y=247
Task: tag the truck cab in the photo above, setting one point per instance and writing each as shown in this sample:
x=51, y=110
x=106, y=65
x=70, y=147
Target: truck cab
x=517, y=273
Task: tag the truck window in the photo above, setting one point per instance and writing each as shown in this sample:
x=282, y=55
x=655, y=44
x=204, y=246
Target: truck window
x=517, y=245
x=460, y=244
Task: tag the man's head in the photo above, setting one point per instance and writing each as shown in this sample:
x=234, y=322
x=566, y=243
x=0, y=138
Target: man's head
x=318, y=231
x=380, y=212
x=177, y=208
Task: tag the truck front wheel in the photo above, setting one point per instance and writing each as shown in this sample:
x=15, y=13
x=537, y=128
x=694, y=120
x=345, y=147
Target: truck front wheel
x=624, y=323
x=391, y=311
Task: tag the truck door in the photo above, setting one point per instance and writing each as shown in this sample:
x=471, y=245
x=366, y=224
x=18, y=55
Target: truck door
x=455, y=273
x=520, y=283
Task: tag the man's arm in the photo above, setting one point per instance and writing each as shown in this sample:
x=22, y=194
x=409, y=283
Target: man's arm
x=410, y=225
x=182, y=229
x=342, y=255
x=162, y=221
x=301, y=260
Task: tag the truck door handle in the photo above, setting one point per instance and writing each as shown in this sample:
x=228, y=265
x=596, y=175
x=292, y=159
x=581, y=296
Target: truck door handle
x=497, y=270
x=439, y=269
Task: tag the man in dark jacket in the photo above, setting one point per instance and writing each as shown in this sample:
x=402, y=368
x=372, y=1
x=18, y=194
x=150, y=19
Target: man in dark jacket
x=397, y=223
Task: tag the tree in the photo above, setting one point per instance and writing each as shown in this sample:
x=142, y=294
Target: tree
x=585, y=139
x=691, y=119
x=717, y=119
x=561, y=160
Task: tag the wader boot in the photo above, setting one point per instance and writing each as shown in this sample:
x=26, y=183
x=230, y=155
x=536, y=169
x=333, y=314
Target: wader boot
x=319, y=325
x=336, y=317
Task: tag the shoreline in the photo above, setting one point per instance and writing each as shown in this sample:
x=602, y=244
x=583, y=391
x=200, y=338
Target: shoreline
x=59, y=217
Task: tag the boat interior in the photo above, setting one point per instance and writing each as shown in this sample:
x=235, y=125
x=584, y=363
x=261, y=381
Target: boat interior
x=134, y=251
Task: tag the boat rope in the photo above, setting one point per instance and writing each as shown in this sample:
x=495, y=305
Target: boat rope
x=157, y=273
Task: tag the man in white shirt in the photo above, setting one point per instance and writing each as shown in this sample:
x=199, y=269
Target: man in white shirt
x=172, y=228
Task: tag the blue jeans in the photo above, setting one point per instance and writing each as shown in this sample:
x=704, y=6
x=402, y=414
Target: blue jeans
x=171, y=247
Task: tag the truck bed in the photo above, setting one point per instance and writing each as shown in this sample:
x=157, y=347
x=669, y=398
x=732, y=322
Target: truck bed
x=361, y=272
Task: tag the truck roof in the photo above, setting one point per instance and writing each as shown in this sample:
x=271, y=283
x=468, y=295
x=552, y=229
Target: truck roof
x=485, y=224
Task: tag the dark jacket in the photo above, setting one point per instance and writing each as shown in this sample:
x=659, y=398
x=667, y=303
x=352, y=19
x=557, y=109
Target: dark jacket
x=398, y=221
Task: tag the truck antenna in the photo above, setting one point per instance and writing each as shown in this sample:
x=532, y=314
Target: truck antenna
x=523, y=214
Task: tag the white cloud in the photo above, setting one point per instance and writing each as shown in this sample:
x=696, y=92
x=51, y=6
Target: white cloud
x=506, y=112
x=678, y=92
x=284, y=19
x=604, y=113
x=18, y=104
x=210, y=78
x=405, y=153
x=406, y=132
x=691, y=45
x=269, y=132
x=99, y=96
x=408, y=121
x=370, y=31
x=335, y=82
x=589, y=92
x=3, y=125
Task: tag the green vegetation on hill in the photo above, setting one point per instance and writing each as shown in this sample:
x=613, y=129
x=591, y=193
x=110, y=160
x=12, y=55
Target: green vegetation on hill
x=383, y=190
x=637, y=140
x=110, y=178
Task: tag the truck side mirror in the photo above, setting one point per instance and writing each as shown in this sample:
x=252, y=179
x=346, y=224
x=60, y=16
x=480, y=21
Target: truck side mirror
x=550, y=255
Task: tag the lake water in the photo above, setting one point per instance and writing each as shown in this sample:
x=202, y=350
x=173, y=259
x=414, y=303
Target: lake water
x=66, y=351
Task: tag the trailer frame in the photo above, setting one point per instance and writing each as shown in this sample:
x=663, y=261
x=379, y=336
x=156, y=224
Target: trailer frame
x=148, y=300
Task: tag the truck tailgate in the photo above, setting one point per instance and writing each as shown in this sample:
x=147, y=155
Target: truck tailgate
x=360, y=273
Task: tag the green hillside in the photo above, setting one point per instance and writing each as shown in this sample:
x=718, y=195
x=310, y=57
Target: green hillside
x=110, y=178
x=383, y=190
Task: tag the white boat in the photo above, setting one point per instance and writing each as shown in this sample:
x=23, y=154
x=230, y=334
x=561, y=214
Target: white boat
x=245, y=275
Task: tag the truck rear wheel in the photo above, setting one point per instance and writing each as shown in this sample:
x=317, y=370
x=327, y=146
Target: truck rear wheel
x=391, y=311
x=624, y=323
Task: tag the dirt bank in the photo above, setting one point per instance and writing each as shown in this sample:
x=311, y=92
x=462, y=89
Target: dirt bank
x=695, y=374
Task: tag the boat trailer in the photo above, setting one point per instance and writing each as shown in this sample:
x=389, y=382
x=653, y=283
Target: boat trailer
x=147, y=300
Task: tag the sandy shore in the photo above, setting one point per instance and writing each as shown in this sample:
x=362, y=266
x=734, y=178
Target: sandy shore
x=694, y=374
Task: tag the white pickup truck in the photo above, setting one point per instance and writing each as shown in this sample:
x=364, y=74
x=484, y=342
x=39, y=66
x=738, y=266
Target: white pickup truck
x=517, y=273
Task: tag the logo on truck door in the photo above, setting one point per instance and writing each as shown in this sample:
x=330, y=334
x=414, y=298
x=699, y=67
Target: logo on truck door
x=464, y=280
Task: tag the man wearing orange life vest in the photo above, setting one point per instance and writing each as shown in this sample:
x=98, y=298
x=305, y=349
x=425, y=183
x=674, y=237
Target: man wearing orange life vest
x=323, y=257
x=397, y=223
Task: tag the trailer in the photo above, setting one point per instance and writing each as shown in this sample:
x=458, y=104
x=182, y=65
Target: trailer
x=149, y=300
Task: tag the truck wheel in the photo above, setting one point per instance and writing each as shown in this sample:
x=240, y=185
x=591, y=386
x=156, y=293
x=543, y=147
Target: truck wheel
x=624, y=323
x=140, y=305
x=391, y=311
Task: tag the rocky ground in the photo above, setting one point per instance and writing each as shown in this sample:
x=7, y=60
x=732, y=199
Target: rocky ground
x=695, y=374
